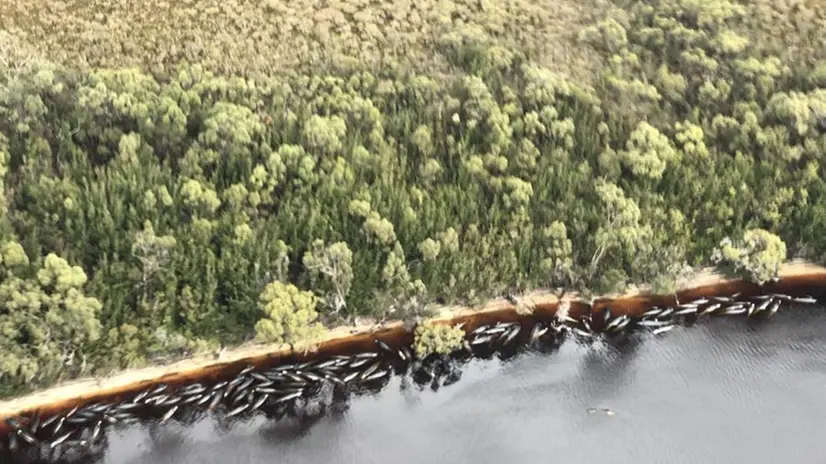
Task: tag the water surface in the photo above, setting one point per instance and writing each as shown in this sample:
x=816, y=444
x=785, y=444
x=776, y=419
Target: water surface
x=725, y=390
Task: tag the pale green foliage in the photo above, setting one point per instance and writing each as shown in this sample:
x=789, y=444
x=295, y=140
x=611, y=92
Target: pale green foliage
x=379, y=229
x=666, y=282
x=671, y=85
x=817, y=77
x=757, y=256
x=395, y=268
x=622, y=226
x=729, y=42
x=532, y=126
x=124, y=344
x=230, y=125
x=401, y=296
x=202, y=200
x=13, y=255
x=449, y=240
x=691, y=137
x=431, y=338
x=360, y=208
x=709, y=14
x=150, y=201
x=128, y=148
x=429, y=170
x=405, y=299
x=647, y=152
x=543, y=86
x=527, y=155
x=290, y=315
x=153, y=252
x=516, y=192
x=475, y=166
x=636, y=93
x=422, y=138
x=4, y=161
x=265, y=178
x=58, y=274
x=331, y=271
x=558, y=263
x=165, y=197
x=793, y=110
x=235, y=195
x=48, y=319
x=243, y=234
x=478, y=105
x=429, y=249
x=324, y=133
x=293, y=160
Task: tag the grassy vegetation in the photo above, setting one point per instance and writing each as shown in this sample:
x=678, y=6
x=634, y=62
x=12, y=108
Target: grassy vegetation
x=195, y=174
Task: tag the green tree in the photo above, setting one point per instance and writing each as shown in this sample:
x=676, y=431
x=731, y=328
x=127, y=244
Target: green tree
x=48, y=323
x=325, y=133
x=622, y=227
x=429, y=249
x=154, y=254
x=331, y=271
x=289, y=315
x=647, y=152
x=757, y=256
x=558, y=261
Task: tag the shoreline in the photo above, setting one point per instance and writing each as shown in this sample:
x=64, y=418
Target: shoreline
x=349, y=337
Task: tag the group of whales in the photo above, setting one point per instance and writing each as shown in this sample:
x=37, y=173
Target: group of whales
x=79, y=435
x=657, y=319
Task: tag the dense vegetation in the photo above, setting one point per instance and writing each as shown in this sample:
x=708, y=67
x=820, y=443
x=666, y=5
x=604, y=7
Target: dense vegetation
x=154, y=211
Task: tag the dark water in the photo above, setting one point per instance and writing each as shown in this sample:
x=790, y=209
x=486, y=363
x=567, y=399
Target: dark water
x=722, y=391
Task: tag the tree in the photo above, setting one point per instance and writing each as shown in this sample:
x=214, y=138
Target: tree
x=289, y=315
x=429, y=249
x=757, y=256
x=331, y=271
x=691, y=138
x=202, y=200
x=153, y=252
x=449, y=240
x=621, y=227
x=379, y=230
x=48, y=322
x=324, y=134
x=422, y=138
x=401, y=296
x=647, y=152
x=558, y=263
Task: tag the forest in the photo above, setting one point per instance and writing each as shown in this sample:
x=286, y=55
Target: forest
x=160, y=203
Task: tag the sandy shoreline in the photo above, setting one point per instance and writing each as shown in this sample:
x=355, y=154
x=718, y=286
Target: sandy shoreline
x=73, y=389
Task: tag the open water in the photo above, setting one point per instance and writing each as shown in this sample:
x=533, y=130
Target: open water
x=723, y=391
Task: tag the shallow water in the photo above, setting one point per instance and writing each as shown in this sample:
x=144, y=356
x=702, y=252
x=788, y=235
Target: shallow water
x=723, y=391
